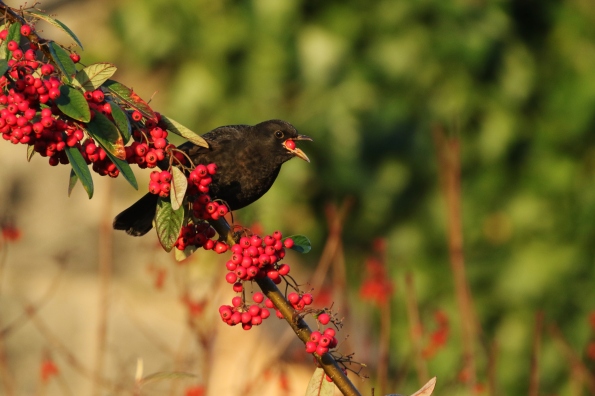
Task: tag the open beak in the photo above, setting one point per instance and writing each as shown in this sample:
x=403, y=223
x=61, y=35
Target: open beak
x=295, y=150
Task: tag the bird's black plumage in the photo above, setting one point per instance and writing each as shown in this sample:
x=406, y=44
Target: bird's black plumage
x=248, y=160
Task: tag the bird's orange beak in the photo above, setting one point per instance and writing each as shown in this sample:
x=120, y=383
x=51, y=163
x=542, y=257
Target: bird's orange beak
x=289, y=144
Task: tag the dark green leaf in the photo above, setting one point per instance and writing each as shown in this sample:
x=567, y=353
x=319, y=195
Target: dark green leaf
x=3, y=66
x=72, y=103
x=56, y=23
x=168, y=223
x=80, y=168
x=72, y=181
x=123, y=167
x=179, y=184
x=181, y=130
x=62, y=59
x=130, y=98
x=14, y=33
x=301, y=243
x=122, y=122
x=106, y=133
x=91, y=77
x=319, y=386
x=30, y=152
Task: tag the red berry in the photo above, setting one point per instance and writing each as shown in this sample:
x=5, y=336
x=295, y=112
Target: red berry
x=212, y=169
x=321, y=350
x=254, y=310
x=98, y=96
x=293, y=297
x=231, y=266
x=210, y=244
x=273, y=275
x=220, y=247
x=54, y=93
x=258, y=297
x=25, y=30
x=201, y=170
x=255, y=241
x=290, y=144
x=75, y=57
x=329, y=332
x=12, y=45
x=307, y=299
x=154, y=187
x=236, y=301
x=47, y=69
x=288, y=243
x=323, y=318
x=136, y=115
x=246, y=317
x=324, y=341
x=231, y=277
x=165, y=177
x=160, y=143
x=265, y=313
x=284, y=269
x=3, y=34
x=237, y=287
x=315, y=336
x=268, y=303
x=310, y=346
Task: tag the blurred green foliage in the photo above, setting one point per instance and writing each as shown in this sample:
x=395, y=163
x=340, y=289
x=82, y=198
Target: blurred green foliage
x=368, y=80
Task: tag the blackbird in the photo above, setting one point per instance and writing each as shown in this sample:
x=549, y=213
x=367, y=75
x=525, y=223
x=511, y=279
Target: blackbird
x=248, y=160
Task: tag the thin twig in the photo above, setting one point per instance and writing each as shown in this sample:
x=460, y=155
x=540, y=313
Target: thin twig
x=415, y=328
x=449, y=157
x=534, y=378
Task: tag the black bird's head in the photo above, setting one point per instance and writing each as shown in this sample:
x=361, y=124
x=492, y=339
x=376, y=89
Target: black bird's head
x=278, y=137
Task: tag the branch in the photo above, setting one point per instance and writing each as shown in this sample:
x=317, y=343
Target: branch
x=297, y=323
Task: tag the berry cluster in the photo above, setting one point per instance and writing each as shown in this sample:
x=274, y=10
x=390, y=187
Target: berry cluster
x=150, y=142
x=320, y=343
x=30, y=92
x=256, y=257
x=240, y=313
x=299, y=302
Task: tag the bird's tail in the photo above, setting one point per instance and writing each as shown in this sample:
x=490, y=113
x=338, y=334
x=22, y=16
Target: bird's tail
x=137, y=220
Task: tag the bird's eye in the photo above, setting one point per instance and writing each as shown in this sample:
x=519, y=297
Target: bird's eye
x=279, y=134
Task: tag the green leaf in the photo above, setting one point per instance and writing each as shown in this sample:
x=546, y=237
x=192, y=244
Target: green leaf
x=14, y=33
x=72, y=181
x=30, y=152
x=122, y=122
x=91, y=77
x=62, y=59
x=72, y=103
x=179, y=184
x=128, y=96
x=168, y=223
x=80, y=168
x=301, y=243
x=106, y=133
x=56, y=23
x=319, y=386
x=3, y=66
x=181, y=130
x=123, y=167
x=182, y=255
